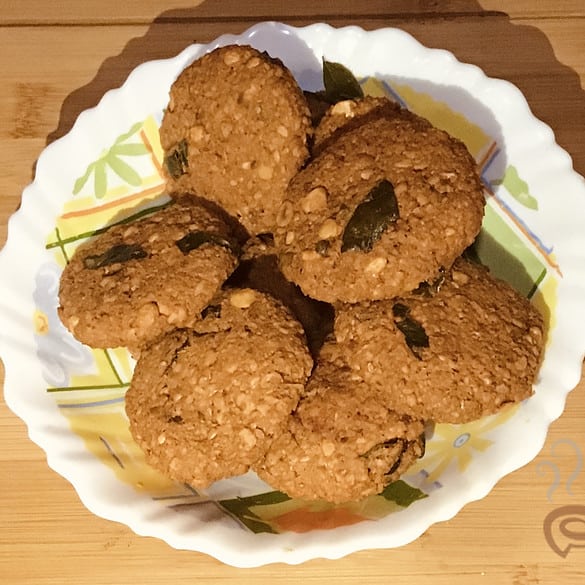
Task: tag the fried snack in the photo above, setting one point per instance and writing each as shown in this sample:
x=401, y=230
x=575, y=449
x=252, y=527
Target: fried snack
x=235, y=132
x=346, y=115
x=206, y=406
x=342, y=443
x=382, y=208
x=136, y=281
x=453, y=351
x=258, y=269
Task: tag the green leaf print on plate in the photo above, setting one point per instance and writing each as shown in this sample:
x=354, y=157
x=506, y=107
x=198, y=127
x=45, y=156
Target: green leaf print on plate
x=517, y=188
x=111, y=159
x=274, y=512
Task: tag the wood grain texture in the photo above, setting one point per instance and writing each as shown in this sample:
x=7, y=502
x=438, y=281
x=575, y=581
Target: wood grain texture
x=145, y=11
x=57, y=60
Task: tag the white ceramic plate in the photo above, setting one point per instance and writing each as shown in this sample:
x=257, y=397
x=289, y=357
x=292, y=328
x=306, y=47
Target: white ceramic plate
x=108, y=168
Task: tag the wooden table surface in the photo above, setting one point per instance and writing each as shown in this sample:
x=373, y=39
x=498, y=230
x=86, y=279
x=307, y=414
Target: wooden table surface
x=57, y=59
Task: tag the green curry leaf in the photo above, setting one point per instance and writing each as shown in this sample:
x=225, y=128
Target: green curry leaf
x=415, y=336
x=177, y=161
x=371, y=218
x=114, y=255
x=340, y=83
x=402, y=494
x=196, y=239
x=429, y=288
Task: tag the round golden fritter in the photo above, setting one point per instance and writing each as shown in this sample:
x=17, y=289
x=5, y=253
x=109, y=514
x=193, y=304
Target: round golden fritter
x=235, y=132
x=206, y=406
x=138, y=280
x=379, y=210
x=342, y=443
x=449, y=355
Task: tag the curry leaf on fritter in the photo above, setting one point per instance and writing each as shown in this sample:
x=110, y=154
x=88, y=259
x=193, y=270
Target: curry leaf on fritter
x=371, y=218
x=414, y=334
x=114, y=255
x=177, y=161
x=211, y=311
x=322, y=247
x=340, y=83
x=196, y=239
x=429, y=288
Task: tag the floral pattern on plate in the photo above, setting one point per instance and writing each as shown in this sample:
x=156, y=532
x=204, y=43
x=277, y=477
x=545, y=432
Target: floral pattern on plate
x=72, y=397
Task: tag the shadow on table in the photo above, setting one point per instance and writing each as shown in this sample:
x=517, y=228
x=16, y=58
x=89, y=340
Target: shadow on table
x=553, y=91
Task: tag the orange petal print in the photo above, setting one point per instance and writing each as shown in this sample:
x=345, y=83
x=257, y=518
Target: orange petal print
x=305, y=519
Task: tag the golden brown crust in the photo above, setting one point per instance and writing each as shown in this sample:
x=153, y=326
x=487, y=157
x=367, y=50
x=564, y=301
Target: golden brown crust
x=245, y=124
x=158, y=285
x=222, y=381
x=342, y=443
x=259, y=270
x=484, y=347
x=347, y=115
x=440, y=202
x=205, y=406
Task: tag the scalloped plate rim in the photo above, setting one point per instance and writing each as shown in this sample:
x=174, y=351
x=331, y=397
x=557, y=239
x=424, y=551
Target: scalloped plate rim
x=321, y=548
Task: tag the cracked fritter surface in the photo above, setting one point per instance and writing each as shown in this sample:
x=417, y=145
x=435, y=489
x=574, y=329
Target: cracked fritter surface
x=342, y=443
x=204, y=406
x=483, y=347
x=138, y=280
x=236, y=131
x=380, y=209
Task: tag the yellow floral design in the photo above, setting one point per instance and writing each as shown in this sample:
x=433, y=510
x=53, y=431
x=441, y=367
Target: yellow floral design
x=457, y=443
x=89, y=388
x=41, y=322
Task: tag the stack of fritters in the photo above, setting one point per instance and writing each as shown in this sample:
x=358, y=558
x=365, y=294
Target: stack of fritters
x=302, y=307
